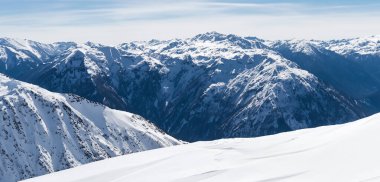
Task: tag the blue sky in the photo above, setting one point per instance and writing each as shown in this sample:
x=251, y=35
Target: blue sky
x=116, y=21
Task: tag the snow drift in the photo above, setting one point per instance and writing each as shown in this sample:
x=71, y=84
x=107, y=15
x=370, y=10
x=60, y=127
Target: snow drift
x=348, y=152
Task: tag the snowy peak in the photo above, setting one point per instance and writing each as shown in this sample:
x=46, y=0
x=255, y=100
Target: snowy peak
x=28, y=47
x=43, y=132
x=307, y=47
x=362, y=46
x=229, y=39
x=210, y=36
x=61, y=47
x=202, y=44
x=203, y=50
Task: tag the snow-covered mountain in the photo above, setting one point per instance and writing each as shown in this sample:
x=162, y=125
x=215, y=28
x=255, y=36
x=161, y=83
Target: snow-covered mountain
x=350, y=65
x=209, y=86
x=347, y=152
x=356, y=46
x=348, y=76
x=42, y=132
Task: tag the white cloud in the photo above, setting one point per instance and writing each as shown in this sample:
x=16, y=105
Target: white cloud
x=179, y=19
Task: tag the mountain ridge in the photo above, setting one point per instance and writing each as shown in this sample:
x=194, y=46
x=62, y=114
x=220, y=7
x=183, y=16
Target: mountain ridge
x=187, y=86
x=42, y=132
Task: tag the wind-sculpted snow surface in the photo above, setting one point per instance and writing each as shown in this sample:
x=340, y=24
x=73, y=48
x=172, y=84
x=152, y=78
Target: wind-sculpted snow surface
x=347, y=152
x=212, y=85
x=42, y=132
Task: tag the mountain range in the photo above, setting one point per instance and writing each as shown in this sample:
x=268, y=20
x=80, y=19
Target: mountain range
x=212, y=85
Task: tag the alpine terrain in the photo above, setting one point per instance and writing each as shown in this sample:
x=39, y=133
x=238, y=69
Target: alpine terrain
x=212, y=85
x=42, y=132
x=347, y=152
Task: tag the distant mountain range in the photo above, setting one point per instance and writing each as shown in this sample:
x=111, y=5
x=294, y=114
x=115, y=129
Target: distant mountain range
x=212, y=85
x=42, y=132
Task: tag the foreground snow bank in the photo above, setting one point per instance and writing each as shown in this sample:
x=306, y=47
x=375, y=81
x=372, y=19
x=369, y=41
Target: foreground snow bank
x=348, y=152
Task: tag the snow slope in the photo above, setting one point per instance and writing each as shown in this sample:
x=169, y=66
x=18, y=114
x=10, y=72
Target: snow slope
x=347, y=152
x=43, y=132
